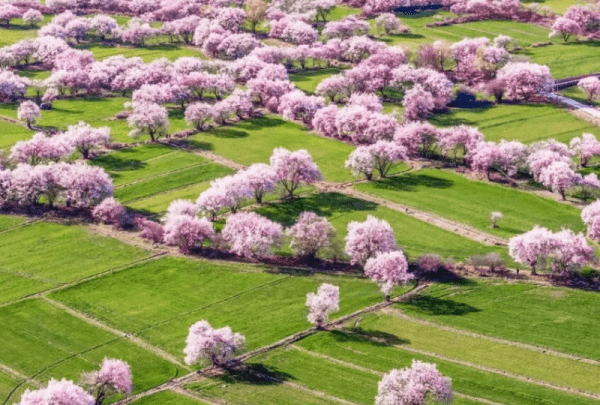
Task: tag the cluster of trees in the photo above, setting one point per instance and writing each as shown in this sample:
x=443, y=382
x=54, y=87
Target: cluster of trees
x=114, y=377
x=578, y=20
x=561, y=252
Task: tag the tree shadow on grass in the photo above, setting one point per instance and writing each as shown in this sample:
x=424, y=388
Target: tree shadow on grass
x=255, y=374
x=437, y=306
x=373, y=337
x=228, y=133
x=194, y=144
x=306, y=76
x=410, y=181
x=114, y=163
x=325, y=205
x=261, y=123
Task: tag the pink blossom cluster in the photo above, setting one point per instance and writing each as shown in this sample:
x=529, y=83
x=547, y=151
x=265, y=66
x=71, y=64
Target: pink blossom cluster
x=77, y=185
x=186, y=231
x=293, y=169
x=366, y=239
x=322, y=303
x=591, y=87
x=63, y=392
x=414, y=385
x=590, y=216
x=215, y=345
x=113, y=377
x=109, y=211
x=380, y=156
x=388, y=269
x=310, y=234
x=251, y=235
x=561, y=251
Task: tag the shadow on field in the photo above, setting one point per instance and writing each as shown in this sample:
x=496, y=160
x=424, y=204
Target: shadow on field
x=374, y=337
x=437, y=306
x=410, y=181
x=326, y=204
x=117, y=164
x=228, y=133
x=255, y=374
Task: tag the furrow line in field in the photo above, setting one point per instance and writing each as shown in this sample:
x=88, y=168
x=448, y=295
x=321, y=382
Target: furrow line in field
x=80, y=281
x=95, y=322
x=162, y=174
x=196, y=396
x=398, y=313
x=32, y=221
x=17, y=374
x=444, y=223
x=492, y=370
x=378, y=373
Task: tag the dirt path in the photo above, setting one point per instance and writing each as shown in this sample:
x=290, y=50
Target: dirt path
x=444, y=223
x=398, y=313
x=196, y=396
x=578, y=109
x=139, y=342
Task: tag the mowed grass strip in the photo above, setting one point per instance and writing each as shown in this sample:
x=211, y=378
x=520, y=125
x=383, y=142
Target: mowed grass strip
x=43, y=255
x=559, y=318
x=43, y=342
x=415, y=237
x=513, y=359
x=167, y=398
x=455, y=197
x=364, y=351
x=253, y=141
x=525, y=123
x=10, y=221
x=161, y=299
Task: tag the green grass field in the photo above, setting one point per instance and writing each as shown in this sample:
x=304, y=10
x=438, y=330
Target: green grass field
x=513, y=359
x=525, y=123
x=471, y=202
x=40, y=256
x=12, y=133
x=308, y=80
x=167, y=398
x=415, y=237
x=146, y=172
x=42, y=342
x=562, y=319
x=253, y=141
x=161, y=299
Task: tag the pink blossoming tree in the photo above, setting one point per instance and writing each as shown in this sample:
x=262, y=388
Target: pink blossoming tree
x=388, y=269
x=218, y=346
x=322, y=303
x=365, y=239
x=310, y=234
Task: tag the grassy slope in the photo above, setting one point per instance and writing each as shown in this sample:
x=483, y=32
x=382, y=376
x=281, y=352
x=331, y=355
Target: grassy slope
x=40, y=256
x=159, y=300
x=12, y=133
x=526, y=123
x=562, y=319
x=414, y=236
x=444, y=192
x=42, y=341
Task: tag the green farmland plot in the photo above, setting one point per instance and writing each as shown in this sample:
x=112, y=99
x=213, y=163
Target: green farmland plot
x=160, y=300
x=562, y=319
x=525, y=123
x=253, y=141
x=42, y=341
x=415, y=237
x=40, y=256
x=310, y=79
x=147, y=53
x=361, y=349
x=143, y=172
x=474, y=350
x=444, y=193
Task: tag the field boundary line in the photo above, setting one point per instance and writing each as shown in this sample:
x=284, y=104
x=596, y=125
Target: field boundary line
x=26, y=223
x=193, y=395
x=400, y=314
x=454, y=227
x=17, y=374
x=135, y=339
x=83, y=280
x=379, y=373
x=156, y=176
x=492, y=370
